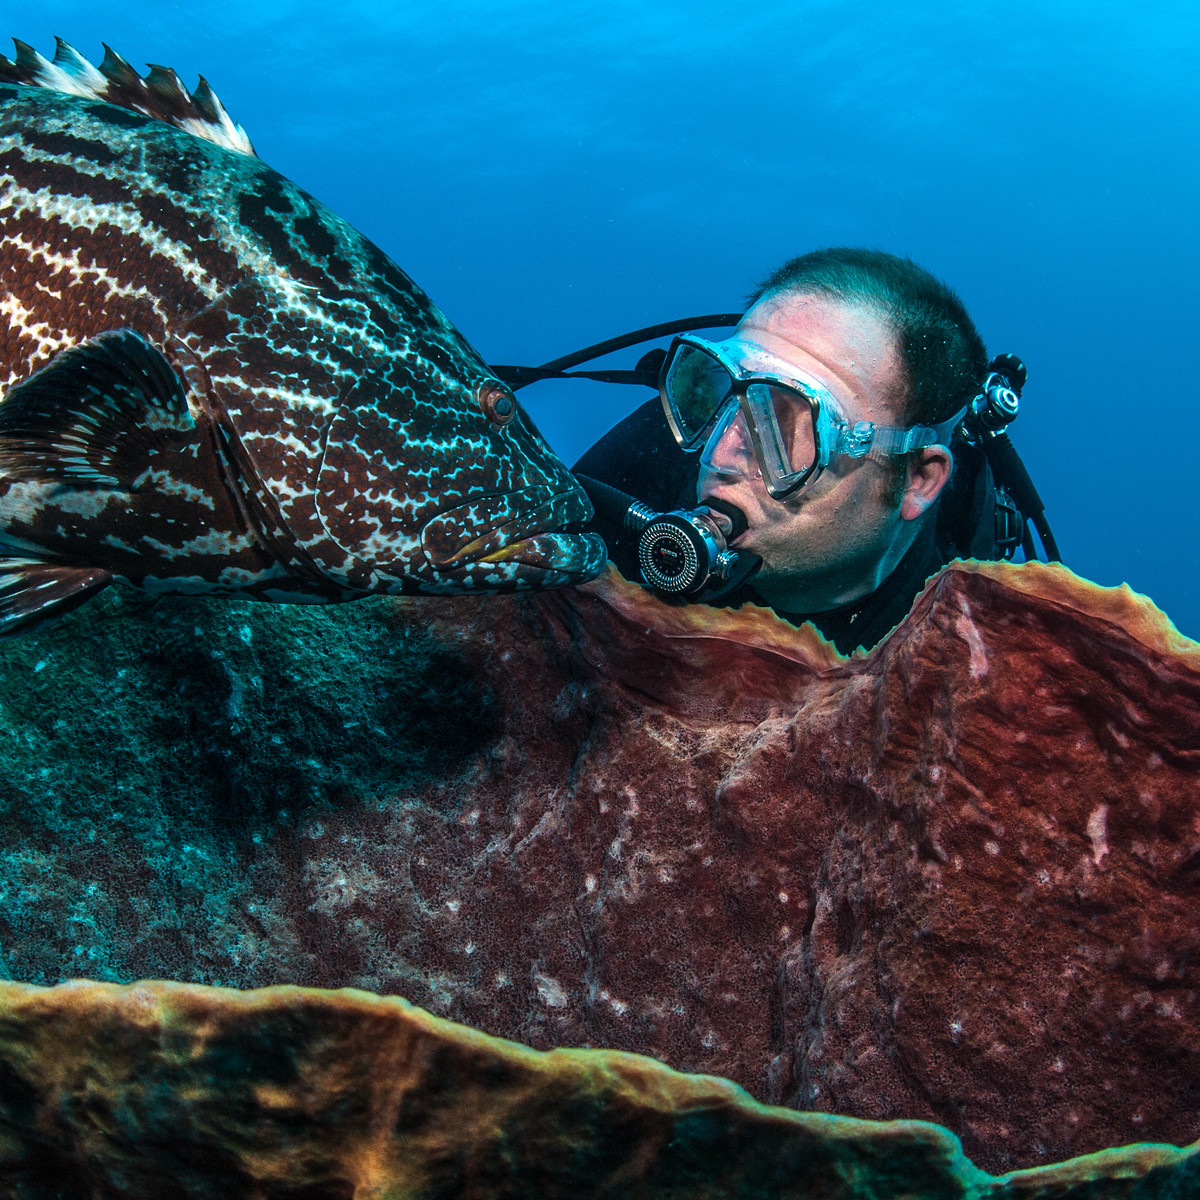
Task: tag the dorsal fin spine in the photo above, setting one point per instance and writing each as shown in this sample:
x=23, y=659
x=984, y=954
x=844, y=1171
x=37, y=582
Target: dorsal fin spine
x=206, y=101
x=68, y=59
x=160, y=95
x=164, y=83
x=116, y=69
x=28, y=59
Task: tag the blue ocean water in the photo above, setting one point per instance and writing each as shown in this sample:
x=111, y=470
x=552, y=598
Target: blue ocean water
x=557, y=174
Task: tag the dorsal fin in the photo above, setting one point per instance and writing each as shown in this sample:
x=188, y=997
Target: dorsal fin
x=160, y=94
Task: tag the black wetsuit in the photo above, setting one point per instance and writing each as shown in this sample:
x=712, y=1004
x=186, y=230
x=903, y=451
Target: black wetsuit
x=640, y=456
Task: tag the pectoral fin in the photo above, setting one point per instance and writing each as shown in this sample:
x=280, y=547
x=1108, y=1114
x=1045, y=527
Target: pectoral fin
x=33, y=592
x=96, y=414
x=91, y=421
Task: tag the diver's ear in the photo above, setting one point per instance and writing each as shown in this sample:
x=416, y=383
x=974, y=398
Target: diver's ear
x=928, y=473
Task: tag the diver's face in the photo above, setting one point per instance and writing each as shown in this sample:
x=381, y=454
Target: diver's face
x=841, y=535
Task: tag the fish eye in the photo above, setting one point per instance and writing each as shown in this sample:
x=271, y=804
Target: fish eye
x=498, y=403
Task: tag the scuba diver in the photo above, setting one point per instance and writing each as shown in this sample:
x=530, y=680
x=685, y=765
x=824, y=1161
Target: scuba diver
x=844, y=443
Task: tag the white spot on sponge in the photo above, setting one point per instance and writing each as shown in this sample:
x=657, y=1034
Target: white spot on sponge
x=1097, y=830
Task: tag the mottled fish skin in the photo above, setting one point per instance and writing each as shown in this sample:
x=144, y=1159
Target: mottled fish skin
x=328, y=439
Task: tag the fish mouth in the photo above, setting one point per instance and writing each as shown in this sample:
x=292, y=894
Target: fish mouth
x=576, y=556
x=542, y=547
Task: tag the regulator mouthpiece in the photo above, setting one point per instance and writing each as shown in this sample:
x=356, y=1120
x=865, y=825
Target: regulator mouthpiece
x=679, y=553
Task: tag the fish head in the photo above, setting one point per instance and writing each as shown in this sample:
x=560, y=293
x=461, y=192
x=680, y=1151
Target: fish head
x=387, y=447
x=435, y=477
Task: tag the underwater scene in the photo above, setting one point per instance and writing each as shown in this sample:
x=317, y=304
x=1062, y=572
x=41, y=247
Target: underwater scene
x=598, y=600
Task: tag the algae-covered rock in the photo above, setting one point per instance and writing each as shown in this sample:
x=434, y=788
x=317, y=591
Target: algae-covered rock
x=164, y=1090
x=953, y=880
x=153, y=749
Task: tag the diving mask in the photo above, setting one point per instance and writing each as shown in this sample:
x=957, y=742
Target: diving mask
x=795, y=423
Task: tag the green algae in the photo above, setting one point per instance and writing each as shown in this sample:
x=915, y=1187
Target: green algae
x=166, y=740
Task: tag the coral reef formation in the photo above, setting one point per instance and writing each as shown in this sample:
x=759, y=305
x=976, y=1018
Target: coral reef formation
x=169, y=1090
x=953, y=880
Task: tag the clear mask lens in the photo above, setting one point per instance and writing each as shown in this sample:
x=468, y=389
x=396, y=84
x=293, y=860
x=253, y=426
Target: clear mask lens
x=726, y=454
x=696, y=386
x=703, y=398
x=770, y=434
x=783, y=422
x=793, y=419
x=796, y=427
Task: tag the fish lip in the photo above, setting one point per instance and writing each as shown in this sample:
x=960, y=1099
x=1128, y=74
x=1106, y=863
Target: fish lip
x=539, y=540
x=576, y=557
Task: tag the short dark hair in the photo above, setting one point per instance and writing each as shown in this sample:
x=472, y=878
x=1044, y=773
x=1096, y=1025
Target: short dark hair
x=944, y=357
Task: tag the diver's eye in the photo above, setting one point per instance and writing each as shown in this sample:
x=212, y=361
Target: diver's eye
x=498, y=403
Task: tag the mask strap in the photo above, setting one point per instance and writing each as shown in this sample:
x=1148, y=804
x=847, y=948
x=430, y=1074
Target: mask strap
x=890, y=441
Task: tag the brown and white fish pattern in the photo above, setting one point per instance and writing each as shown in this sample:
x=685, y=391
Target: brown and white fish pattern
x=209, y=383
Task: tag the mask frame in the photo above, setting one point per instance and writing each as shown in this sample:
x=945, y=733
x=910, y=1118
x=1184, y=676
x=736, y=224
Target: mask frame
x=752, y=387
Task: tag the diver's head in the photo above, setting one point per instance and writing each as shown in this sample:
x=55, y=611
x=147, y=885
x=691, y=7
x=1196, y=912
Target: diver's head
x=943, y=357
x=833, y=477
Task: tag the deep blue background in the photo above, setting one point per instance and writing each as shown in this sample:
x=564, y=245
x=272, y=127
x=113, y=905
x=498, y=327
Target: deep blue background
x=554, y=174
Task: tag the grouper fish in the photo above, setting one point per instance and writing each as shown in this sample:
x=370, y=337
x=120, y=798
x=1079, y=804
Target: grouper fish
x=211, y=384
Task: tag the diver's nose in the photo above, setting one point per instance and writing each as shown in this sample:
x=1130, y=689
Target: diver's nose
x=729, y=451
